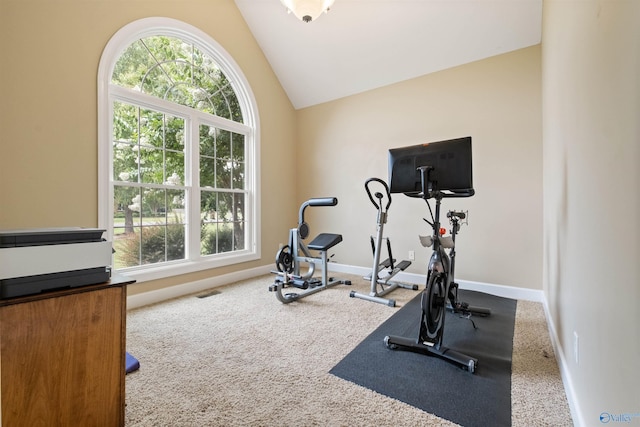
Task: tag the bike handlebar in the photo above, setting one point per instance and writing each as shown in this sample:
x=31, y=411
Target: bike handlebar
x=467, y=192
x=443, y=194
x=386, y=188
x=455, y=214
x=426, y=184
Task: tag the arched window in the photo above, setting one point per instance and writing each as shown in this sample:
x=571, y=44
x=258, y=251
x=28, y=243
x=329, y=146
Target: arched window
x=178, y=152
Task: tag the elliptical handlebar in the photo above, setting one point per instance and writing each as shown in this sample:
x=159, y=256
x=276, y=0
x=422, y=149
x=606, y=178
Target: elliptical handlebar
x=386, y=188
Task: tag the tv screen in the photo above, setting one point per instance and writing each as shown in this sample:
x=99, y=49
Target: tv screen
x=450, y=161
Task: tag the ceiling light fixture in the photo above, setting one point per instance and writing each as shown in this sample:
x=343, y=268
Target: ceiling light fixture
x=307, y=10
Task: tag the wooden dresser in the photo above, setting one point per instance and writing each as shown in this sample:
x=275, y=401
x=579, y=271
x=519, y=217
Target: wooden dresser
x=62, y=357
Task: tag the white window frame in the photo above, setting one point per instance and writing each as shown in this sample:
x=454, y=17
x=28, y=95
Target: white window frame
x=108, y=93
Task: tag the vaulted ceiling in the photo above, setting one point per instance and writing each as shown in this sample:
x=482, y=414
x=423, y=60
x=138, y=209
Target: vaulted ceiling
x=364, y=44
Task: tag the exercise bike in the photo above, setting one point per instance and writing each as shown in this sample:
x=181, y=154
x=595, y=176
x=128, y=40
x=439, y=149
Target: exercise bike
x=290, y=257
x=381, y=285
x=440, y=284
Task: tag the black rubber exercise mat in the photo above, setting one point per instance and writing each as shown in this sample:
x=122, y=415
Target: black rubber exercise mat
x=433, y=384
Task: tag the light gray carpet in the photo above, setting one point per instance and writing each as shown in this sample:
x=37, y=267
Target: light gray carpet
x=241, y=358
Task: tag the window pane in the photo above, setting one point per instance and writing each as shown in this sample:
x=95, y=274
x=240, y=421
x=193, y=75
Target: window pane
x=127, y=249
x=238, y=206
x=126, y=208
x=153, y=244
x=207, y=141
x=225, y=237
x=172, y=69
x=175, y=207
x=151, y=128
x=174, y=168
x=132, y=65
x=174, y=133
x=151, y=165
x=222, y=221
x=228, y=100
x=225, y=206
x=153, y=206
x=223, y=144
x=238, y=222
x=208, y=239
x=225, y=227
x=238, y=147
x=238, y=175
x=209, y=220
x=125, y=142
x=125, y=162
x=126, y=226
x=207, y=172
x=223, y=174
x=175, y=242
x=125, y=122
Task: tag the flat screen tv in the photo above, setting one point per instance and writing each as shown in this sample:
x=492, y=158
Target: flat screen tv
x=449, y=165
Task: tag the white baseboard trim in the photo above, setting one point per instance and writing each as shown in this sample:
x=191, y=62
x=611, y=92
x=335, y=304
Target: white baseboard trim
x=152, y=297
x=420, y=279
x=563, y=365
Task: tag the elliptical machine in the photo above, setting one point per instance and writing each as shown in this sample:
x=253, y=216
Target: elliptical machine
x=439, y=284
x=381, y=285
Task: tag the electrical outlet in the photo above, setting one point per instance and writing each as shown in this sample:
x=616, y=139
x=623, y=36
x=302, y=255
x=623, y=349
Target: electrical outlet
x=576, y=347
x=412, y=255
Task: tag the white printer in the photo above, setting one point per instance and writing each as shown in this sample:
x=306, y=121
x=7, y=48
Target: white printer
x=46, y=259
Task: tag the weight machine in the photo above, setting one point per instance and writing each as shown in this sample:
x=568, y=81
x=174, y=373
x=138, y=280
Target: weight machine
x=290, y=257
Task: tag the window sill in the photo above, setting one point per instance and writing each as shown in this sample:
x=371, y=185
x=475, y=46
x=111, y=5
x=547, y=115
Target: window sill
x=154, y=272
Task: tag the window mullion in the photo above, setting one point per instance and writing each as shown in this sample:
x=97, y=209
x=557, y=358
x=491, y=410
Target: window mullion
x=193, y=192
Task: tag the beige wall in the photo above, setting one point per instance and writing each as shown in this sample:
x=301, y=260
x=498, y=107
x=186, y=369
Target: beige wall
x=497, y=101
x=591, y=104
x=50, y=51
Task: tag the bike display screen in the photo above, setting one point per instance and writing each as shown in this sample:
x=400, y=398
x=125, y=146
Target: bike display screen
x=449, y=163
